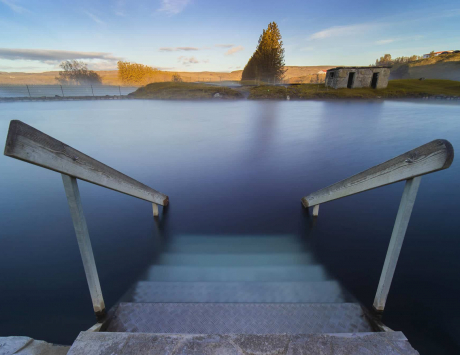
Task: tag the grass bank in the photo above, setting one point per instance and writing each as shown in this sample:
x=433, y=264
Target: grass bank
x=410, y=88
x=184, y=91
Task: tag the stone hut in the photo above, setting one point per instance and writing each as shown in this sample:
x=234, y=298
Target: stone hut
x=358, y=77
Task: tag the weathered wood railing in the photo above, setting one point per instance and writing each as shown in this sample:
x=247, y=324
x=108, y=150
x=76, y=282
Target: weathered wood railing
x=30, y=145
x=428, y=158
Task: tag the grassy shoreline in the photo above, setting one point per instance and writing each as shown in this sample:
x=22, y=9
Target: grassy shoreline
x=184, y=91
x=397, y=89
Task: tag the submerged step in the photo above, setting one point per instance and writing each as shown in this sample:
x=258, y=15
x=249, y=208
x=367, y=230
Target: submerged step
x=391, y=343
x=244, y=274
x=239, y=318
x=239, y=292
x=236, y=259
x=235, y=244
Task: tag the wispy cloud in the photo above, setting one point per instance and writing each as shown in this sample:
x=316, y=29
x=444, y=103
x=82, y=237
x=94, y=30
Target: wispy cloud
x=176, y=49
x=119, y=8
x=173, y=7
x=14, y=6
x=95, y=18
x=187, y=61
x=224, y=45
x=391, y=40
x=385, y=41
x=51, y=55
x=341, y=31
x=234, y=50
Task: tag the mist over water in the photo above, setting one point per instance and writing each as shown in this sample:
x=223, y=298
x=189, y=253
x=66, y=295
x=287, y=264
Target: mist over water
x=230, y=168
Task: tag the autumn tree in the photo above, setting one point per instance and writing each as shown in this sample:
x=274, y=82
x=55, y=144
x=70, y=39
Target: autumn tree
x=136, y=74
x=267, y=62
x=77, y=73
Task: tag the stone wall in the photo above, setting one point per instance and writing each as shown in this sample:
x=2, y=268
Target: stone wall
x=363, y=77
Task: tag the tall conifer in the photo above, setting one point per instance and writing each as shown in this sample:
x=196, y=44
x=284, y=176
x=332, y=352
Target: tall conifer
x=267, y=62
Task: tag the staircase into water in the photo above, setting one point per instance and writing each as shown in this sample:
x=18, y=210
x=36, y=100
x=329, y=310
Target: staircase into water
x=230, y=294
x=244, y=294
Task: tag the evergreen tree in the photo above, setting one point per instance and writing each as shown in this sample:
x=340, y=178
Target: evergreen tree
x=267, y=62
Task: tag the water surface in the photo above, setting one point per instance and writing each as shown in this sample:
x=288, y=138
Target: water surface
x=230, y=168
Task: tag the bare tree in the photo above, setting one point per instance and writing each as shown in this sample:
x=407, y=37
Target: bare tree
x=77, y=73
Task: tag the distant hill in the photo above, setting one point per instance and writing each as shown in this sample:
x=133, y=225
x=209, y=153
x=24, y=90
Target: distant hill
x=446, y=66
x=110, y=77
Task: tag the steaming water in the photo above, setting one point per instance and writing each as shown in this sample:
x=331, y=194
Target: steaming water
x=230, y=168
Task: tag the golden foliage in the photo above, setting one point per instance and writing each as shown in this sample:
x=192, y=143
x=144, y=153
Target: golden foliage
x=137, y=74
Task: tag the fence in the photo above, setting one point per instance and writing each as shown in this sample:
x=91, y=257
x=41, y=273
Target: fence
x=64, y=90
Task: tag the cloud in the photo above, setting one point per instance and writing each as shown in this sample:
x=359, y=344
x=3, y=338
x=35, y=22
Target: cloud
x=13, y=6
x=95, y=18
x=233, y=50
x=187, y=61
x=341, y=31
x=119, y=8
x=385, y=41
x=173, y=7
x=224, y=45
x=391, y=40
x=307, y=49
x=176, y=49
x=52, y=56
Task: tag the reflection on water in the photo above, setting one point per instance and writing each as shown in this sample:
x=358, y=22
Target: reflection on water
x=230, y=168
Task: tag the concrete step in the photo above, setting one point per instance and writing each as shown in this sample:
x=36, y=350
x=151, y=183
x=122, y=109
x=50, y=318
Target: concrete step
x=238, y=292
x=242, y=274
x=236, y=259
x=239, y=318
x=391, y=343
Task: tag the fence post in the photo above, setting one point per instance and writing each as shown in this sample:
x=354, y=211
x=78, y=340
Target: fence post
x=92, y=90
x=396, y=241
x=119, y=90
x=27, y=86
x=84, y=243
x=62, y=91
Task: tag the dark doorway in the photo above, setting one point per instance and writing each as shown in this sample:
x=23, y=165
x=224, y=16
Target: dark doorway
x=375, y=79
x=351, y=79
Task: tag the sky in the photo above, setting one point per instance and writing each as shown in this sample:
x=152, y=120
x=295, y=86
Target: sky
x=205, y=35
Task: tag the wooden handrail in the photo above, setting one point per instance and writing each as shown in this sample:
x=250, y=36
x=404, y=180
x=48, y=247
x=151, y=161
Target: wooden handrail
x=29, y=144
x=410, y=166
x=428, y=158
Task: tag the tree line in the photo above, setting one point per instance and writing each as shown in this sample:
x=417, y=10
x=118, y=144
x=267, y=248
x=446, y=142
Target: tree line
x=387, y=60
x=74, y=72
x=267, y=62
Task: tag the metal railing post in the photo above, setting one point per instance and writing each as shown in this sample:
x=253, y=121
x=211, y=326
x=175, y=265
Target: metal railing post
x=62, y=90
x=84, y=243
x=27, y=86
x=396, y=241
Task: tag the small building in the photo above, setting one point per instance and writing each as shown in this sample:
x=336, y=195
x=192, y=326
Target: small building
x=358, y=77
x=437, y=53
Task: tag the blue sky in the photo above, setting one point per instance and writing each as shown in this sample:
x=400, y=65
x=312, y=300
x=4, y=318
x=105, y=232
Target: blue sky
x=198, y=35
